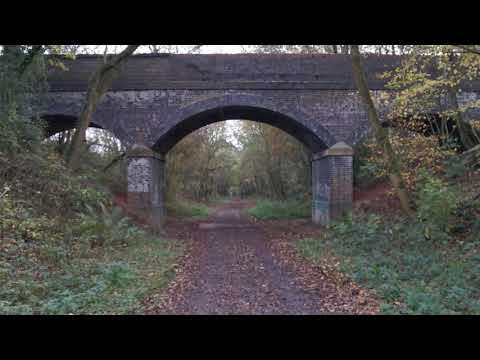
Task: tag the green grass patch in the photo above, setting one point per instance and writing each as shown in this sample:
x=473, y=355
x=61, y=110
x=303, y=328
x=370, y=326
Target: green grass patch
x=187, y=208
x=220, y=201
x=269, y=210
x=411, y=274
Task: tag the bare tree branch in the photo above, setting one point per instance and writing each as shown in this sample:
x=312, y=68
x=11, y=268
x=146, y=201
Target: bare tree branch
x=468, y=49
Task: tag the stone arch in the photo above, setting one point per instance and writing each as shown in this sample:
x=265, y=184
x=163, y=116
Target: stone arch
x=58, y=122
x=331, y=161
x=243, y=107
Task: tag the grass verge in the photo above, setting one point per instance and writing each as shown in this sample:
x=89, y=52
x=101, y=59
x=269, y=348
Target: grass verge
x=271, y=210
x=187, y=208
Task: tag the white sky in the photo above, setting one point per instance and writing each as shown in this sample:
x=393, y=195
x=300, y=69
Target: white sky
x=223, y=49
x=205, y=49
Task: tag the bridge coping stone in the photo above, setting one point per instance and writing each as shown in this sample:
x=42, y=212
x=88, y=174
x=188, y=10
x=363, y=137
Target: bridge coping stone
x=339, y=149
x=140, y=150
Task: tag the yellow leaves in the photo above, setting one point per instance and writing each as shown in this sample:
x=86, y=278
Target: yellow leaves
x=417, y=89
x=57, y=64
x=415, y=151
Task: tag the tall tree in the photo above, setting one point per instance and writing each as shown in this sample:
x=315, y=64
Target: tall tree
x=381, y=134
x=98, y=85
x=425, y=75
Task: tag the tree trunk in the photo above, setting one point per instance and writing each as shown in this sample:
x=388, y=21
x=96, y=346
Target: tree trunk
x=471, y=158
x=344, y=49
x=465, y=130
x=29, y=58
x=98, y=85
x=391, y=159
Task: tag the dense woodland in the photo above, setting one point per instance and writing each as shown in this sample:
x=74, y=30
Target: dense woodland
x=65, y=247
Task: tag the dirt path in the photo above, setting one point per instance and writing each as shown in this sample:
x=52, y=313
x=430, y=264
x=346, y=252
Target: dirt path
x=230, y=270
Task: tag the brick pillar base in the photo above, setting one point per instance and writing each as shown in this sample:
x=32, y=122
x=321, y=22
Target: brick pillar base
x=146, y=185
x=332, y=183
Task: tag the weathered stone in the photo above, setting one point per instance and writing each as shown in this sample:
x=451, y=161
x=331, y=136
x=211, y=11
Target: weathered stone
x=142, y=151
x=159, y=99
x=332, y=183
x=166, y=97
x=146, y=185
x=339, y=149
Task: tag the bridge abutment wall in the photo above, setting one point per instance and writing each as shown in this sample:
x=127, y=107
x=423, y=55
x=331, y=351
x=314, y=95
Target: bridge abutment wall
x=146, y=185
x=332, y=183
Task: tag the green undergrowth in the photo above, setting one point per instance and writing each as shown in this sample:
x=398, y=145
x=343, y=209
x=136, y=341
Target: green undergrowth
x=272, y=210
x=220, y=201
x=187, y=208
x=64, y=249
x=112, y=280
x=427, y=265
x=96, y=262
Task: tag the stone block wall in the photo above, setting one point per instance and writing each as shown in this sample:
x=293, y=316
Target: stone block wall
x=332, y=184
x=146, y=185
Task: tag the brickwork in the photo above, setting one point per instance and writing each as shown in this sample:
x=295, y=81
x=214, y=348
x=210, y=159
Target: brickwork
x=332, y=183
x=163, y=98
x=319, y=118
x=146, y=185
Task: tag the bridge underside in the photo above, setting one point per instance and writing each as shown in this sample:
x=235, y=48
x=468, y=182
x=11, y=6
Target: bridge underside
x=237, y=112
x=55, y=124
x=332, y=184
x=332, y=176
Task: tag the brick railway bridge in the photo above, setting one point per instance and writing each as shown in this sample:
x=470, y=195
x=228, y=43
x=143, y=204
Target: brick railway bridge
x=159, y=99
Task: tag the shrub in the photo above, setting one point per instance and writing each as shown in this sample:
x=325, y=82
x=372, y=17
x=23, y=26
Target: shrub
x=454, y=167
x=118, y=274
x=367, y=167
x=436, y=202
x=105, y=228
x=414, y=150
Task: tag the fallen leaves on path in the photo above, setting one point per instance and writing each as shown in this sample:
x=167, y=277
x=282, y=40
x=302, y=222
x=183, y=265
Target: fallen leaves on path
x=340, y=293
x=253, y=269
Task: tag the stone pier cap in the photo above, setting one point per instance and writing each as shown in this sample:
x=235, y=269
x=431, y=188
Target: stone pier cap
x=140, y=150
x=339, y=149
